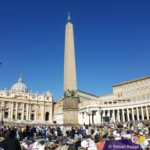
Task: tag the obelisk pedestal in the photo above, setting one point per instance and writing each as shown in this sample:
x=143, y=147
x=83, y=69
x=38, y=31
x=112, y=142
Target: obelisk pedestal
x=70, y=110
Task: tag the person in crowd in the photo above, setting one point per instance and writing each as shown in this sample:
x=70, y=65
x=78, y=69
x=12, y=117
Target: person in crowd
x=10, y=142
x=100, y=144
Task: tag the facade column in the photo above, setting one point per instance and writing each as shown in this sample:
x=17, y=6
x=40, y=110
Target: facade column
x=43, y=112
x=147, y=114
x=133, y=114
x=128, y=118
x=27, y=111
x=137, y=112
x=142, y=112
x=123, y=119
x=12, y=110
x=22, y=115
x=16, y=114
x=9, y=114
x=29, y=115
x=35, y=113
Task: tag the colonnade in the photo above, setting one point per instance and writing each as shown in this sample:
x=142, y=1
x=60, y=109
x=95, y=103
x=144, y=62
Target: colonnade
x=97, y=115
x=127, y=114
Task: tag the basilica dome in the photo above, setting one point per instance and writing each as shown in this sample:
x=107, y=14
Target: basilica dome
x=19, y=87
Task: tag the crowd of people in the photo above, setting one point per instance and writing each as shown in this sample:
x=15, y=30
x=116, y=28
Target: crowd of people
x=111, y=136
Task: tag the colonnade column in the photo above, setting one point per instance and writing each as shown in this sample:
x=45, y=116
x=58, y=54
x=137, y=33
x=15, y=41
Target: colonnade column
x=128, y=118
x=86, y=118
x=137, y=111
x=113, y=115
x=103, y=115
x=91, y=121
x=142, y=112
x=133, y=114
x=123, y=119
x=108, y=113
x=118, y=115
x=100, y=117
x=147, y=114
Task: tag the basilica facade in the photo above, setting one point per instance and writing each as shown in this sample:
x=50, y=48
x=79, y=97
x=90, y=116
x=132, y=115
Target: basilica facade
x=21, y=106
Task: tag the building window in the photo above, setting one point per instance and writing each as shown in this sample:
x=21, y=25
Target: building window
x=32, y=116
x=7, y=105
x=5, y=114
x=32, y=107
x=19, y=116
x=82, y=115
x=33, y=96
x=47, y=98
x=14, y=105
x=7, y=93
x=19, y=106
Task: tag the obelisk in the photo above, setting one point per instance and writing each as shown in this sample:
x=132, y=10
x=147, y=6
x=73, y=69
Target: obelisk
x=69, y=58
x=70, y=101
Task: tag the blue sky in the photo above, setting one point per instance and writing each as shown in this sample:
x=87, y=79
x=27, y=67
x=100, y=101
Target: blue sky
x=112, y=42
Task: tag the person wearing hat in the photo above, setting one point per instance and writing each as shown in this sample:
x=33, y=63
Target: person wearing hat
x=84, y=145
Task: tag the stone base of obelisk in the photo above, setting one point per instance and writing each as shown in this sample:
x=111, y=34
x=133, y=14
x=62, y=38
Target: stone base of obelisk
x=70, y=110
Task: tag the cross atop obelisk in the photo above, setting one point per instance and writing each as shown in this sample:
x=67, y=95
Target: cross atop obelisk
x=69, y=18
x=69, y=58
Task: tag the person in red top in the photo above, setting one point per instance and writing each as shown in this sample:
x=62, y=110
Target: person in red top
x=100, y=144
